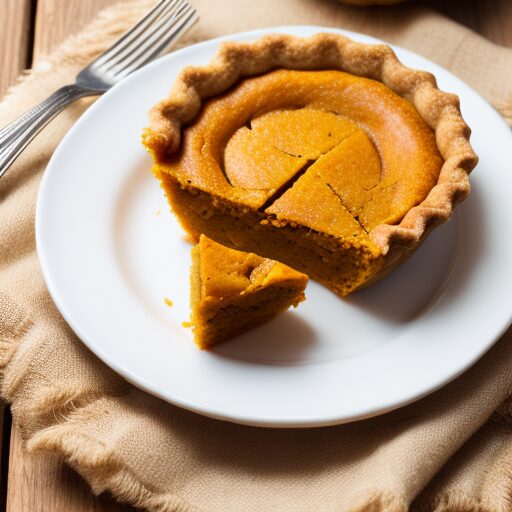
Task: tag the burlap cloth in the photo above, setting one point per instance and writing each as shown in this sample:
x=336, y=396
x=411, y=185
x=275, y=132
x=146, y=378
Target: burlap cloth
x=449, y=452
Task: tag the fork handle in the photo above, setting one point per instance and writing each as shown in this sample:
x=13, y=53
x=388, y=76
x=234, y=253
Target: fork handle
x=15, y=136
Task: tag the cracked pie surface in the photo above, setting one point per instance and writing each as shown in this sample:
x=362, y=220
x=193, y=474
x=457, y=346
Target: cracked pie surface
x=325, y=154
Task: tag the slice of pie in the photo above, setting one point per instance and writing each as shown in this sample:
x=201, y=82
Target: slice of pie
x=234, y=291
x=325, y=154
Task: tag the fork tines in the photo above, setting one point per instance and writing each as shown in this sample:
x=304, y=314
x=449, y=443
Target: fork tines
x=155, y=32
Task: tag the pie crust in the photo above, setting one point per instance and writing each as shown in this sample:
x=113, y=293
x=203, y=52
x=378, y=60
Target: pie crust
x=440, y=110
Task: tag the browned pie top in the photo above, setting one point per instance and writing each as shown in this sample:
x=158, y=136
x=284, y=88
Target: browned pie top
x=338, y=153
x=367, y=95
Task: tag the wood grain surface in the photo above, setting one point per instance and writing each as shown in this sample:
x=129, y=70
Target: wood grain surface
x=15, y=40
x=31, y=28
x=490, y=18
x=42, y=483
x=57, y=19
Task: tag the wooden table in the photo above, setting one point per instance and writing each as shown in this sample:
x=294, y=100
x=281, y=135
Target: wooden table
x=29, y=29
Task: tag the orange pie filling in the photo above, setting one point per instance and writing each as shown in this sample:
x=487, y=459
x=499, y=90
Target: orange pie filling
x=234, y=291
x=300, y=167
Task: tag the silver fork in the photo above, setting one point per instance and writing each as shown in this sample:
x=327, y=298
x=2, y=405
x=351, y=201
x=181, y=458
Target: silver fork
x=161, y=27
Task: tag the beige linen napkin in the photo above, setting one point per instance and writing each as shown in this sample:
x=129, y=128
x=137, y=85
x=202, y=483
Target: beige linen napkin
x=449, y=452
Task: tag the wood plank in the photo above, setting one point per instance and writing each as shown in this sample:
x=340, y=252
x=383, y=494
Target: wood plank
x=493, y=19
x=43, y=483
x=15, y=37
x=5, y=424
x=57, y=19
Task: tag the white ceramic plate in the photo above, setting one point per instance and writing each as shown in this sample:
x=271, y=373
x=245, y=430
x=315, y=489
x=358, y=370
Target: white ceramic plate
x=111, y=251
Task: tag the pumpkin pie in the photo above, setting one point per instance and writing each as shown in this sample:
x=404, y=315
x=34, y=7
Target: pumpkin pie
x=325, y=154
x=234, y=291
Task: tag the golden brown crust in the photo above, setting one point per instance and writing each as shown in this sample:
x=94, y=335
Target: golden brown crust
x=439, y=110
